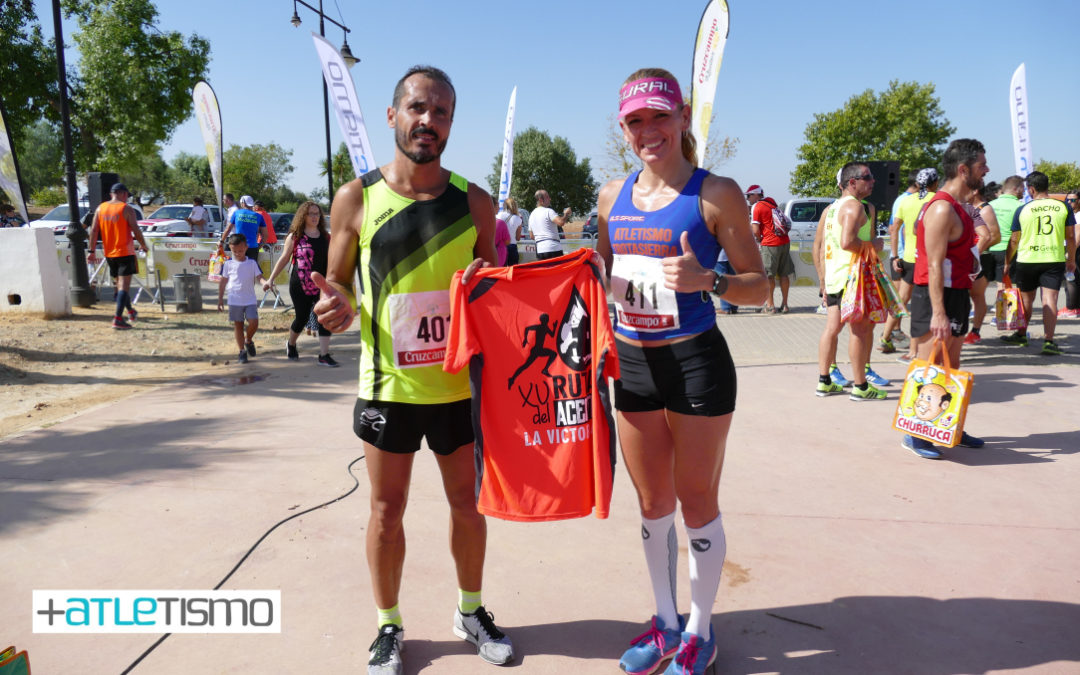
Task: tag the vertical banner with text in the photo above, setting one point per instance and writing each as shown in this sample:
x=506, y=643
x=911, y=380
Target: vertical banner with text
x=712, y=35
x=209, y=115
x=9, y=168
x=1018, y=106
x=342, y=92
x=508, y=150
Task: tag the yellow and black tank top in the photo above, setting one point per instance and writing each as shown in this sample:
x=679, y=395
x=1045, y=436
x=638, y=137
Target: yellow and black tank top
x=408, y=253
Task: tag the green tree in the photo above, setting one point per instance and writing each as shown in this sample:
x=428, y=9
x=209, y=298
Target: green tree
x=620, y=160
x=543, y=162
x=28, y=87
x=255, y=170
x=148, y=178
x=905, y=122
x=40, y=151
x=133, y=83
x=343, y=168
x=1064, y=176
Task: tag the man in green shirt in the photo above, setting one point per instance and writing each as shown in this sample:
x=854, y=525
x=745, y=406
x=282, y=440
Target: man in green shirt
x=1005, y=208
x=1044, y=239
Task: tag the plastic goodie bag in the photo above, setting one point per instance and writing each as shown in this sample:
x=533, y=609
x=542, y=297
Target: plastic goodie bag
x=1009, y=308
x=217, y=262
x=934, y=400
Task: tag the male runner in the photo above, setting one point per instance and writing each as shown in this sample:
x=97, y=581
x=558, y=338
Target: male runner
x=407, y=227
x=944, y=267
x=117, y=225
x=846, y=229
x=1043, y=238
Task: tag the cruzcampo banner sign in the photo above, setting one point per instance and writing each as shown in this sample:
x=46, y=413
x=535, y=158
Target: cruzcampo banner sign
x=339, y=86
x=9, y=168
x=209, y=115
x=712, y=35
x=508, y=151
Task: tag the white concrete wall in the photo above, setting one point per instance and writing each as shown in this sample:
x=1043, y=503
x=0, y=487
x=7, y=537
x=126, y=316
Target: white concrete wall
x=30, y=273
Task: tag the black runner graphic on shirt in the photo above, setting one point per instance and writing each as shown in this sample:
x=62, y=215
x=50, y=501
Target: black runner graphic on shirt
x=538, y=350
x=575, y=334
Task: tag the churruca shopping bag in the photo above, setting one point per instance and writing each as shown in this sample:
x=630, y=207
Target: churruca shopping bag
x=1009, y=307
x=934, y=400
x=217, y=263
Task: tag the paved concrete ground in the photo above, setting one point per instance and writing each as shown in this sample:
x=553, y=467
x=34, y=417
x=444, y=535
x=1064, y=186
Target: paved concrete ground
x=846, y=554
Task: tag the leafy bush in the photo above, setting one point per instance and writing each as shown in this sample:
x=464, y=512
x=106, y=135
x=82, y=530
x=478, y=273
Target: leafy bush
x=286, y=207
x=50, y=196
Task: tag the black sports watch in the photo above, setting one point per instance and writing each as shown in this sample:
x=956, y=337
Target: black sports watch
x=719, y=286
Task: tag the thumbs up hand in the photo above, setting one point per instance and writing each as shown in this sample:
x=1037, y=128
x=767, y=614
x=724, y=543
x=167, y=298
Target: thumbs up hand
x=334, y=310
x=683, y=273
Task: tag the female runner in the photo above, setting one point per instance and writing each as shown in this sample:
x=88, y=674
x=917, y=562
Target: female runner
x=661, y=230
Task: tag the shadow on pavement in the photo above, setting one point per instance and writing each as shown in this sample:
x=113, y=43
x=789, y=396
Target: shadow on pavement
x=1002, y=387
x=43, y=470
x=877, y=634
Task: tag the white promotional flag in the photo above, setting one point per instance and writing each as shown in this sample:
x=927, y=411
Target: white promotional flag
x=508, y=151
x=712, y=35
x=1018, y=106
x=209, y=115
x=9, y=170
x=342, y=92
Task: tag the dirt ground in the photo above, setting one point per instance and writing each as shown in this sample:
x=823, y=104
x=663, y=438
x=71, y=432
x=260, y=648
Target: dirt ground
x=53, y=368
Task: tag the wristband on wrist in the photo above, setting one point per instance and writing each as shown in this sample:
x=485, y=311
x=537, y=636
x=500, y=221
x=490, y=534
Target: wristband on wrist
x=720, y=284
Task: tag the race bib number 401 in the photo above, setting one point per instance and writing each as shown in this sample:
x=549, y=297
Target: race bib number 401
x=641, y=300
x=419, y=323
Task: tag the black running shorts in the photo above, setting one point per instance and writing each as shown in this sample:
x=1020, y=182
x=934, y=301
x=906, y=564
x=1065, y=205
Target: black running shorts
x=693, y=377
x=957, y=308
x=399, y=427
x=124, y=266
x=1032, y=276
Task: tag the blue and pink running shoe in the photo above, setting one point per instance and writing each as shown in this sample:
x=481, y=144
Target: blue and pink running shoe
x=650, y=649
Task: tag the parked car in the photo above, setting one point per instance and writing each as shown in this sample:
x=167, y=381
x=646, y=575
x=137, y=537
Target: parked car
x=58, y=217
x=591, y=225
x=168, y=221
x=805, y=212
x=282, y=222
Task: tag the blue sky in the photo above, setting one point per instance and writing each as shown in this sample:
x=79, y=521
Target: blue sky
x=784, y=62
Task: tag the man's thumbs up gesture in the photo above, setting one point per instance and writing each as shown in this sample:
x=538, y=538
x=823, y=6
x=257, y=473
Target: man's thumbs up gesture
x=334, y=310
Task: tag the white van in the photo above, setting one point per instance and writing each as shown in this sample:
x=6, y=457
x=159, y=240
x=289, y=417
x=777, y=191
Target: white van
x=805, y=212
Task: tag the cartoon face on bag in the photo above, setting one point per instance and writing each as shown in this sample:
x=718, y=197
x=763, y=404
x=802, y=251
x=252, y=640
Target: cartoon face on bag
x=935, y=399
x=931, y=401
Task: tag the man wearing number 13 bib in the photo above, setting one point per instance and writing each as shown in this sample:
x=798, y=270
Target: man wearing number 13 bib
x=660, y=232
x=1042, y=239
x=406, y=228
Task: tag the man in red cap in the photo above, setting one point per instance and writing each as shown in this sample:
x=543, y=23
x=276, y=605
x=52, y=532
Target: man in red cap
x=775, y=245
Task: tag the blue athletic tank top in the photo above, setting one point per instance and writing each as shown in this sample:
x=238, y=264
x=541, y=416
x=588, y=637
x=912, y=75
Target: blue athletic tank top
x=641, y=311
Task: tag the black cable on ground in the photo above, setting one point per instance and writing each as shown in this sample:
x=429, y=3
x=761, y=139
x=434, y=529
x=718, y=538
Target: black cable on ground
x=356, y=484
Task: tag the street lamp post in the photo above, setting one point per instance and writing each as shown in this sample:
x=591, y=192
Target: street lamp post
x=350, y=61
x=81, y=294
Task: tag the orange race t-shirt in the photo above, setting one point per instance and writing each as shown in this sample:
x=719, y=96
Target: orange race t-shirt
x=114, y=230
x=538, y=342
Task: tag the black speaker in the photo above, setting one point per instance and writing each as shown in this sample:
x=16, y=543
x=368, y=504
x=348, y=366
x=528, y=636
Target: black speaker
x=98, y=184
x=886, y=184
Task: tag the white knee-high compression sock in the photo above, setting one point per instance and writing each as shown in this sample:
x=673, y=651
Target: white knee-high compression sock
x=707, y=550
x=662, y=557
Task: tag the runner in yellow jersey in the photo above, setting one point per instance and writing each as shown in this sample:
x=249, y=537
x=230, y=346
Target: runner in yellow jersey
x=406, y=227
x=847, y=228
x=1043, y=234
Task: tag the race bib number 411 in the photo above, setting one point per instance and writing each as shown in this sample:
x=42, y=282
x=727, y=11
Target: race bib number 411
x=419, y=323
x=641, y=300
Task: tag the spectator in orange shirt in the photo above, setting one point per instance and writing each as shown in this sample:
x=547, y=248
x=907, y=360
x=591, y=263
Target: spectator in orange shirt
x=270, y=237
